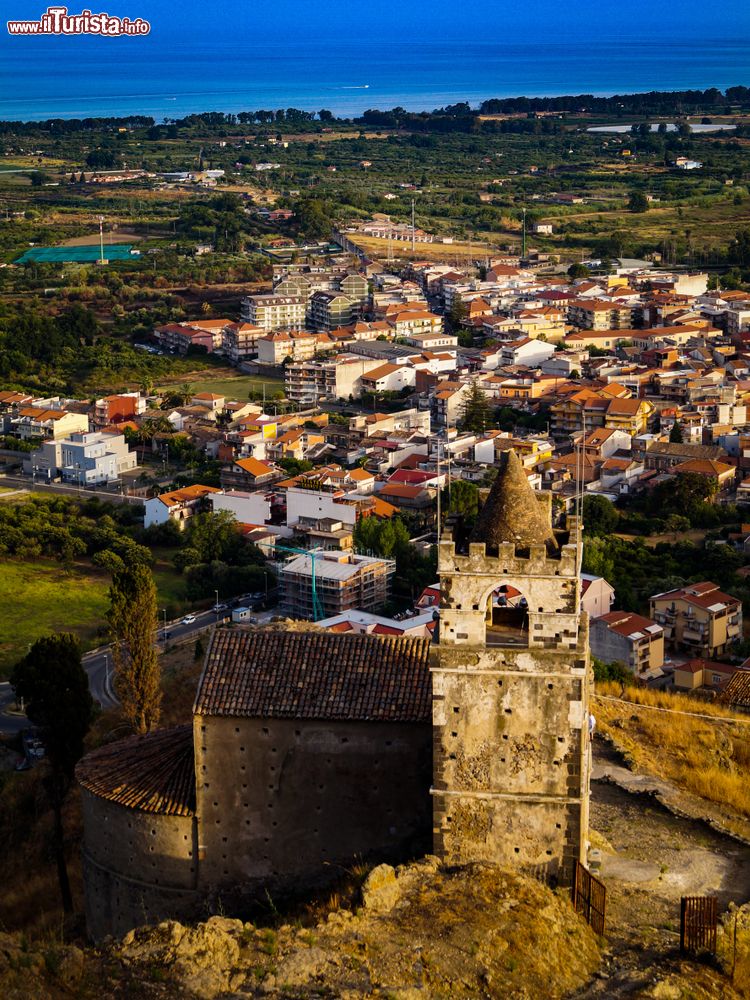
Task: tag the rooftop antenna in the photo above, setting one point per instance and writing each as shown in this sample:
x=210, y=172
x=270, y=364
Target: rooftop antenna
x=579, y=498
x=438, y=487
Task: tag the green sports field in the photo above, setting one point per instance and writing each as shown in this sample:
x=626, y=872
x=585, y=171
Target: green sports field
x=78, y=255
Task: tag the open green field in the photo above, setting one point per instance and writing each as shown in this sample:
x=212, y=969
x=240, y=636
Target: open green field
x=38, y=598
x=237, y=388
x=170, y=585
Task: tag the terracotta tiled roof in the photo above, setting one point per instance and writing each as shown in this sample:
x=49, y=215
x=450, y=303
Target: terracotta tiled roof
x=153, y=773
x=737, y=692
x=315, y=675
x=186, y=494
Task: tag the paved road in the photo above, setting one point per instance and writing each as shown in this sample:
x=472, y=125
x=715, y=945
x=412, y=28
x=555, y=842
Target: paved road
x=40, y=487
x=98, y=666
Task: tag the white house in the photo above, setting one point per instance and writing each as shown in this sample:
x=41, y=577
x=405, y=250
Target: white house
x=310, y=504
x=85, y=459
x=177, y=505
x=526, y=352
x=248, y=508
x=597, y=596
x=389, y=378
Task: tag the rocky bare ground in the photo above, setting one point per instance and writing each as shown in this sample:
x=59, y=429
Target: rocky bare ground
x=421, y=932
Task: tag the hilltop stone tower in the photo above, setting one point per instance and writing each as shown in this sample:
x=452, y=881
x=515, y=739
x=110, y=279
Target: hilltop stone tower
x=510, y=679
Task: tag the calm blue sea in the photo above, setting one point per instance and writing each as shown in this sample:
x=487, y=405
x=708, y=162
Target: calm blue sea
x=78, y=77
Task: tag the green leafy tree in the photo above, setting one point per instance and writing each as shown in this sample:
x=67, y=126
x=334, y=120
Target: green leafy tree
x=611, y=671
x=463, y=498
x=739, y=249
x=675, y=434
x=457, y=313
x=576, y=271
x=637, y=202
x=475, y=410
x=599, y=516
x=314, y=218
x=54, y=685
x=295, y=466
x=133, y=624
x=389, y=539
x=213, y=535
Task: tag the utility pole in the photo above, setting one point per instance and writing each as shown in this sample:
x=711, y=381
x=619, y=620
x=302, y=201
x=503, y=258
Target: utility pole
x=413, y=232
x=523, y=238
x=438, y=485
x=101, y=239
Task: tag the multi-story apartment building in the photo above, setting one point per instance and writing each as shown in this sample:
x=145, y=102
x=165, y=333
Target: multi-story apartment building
x=356, y=287
x=274, y=312
x=698, y=619
x=84, y=459
x=116, y=409
x=632, y=640
x=178, y=338
x=611, y=407
x=737, y=320
x=330, y=310
x=447, y=402
x=338, y=378
x=389, y=378
x=47, y=422
x=275, y=347
x=241, y=341
x=596, y=314
x=412, y=322
x=339, y=580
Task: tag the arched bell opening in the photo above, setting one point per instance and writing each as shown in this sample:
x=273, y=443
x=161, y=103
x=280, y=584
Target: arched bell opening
x=507, y=617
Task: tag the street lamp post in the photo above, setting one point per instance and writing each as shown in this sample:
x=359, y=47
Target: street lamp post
x=164, y=630
x=216, y=606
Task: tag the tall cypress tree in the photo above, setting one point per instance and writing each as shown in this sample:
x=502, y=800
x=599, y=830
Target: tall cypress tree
x=475, y=410
x=133, y=622
x=52, y=681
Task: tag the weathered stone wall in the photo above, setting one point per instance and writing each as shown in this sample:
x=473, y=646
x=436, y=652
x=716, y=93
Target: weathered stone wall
x=510, y=740
x=285, y=801
x=138, y=867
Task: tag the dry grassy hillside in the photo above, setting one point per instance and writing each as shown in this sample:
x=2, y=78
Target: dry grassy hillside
x=701, y=747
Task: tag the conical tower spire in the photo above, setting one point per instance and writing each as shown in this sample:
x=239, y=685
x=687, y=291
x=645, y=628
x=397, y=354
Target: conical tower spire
x=512, y=512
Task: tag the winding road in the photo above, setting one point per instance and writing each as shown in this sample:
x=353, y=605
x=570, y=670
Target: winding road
x=98, y=666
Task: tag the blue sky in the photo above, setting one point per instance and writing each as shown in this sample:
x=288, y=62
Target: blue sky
x=345, y=19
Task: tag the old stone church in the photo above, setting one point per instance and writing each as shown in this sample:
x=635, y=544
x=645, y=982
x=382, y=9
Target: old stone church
x=309, y=749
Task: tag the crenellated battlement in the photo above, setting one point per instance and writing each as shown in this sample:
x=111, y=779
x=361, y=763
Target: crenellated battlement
x=508, y=560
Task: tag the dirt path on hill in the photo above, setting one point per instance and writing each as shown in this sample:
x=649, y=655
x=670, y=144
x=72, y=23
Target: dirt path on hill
x=650, y=857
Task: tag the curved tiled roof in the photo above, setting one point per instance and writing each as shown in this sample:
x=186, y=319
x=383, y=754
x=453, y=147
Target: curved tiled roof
x=316, y=675
x=154, y=773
